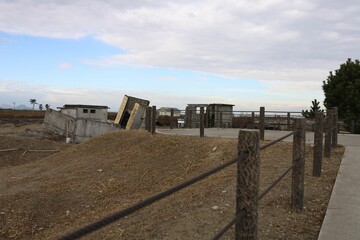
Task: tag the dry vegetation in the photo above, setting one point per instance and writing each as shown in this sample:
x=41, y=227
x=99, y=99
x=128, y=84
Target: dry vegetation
x=44, y=197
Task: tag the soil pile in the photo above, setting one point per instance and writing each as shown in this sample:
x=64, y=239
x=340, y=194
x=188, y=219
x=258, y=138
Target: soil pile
x=47, y=198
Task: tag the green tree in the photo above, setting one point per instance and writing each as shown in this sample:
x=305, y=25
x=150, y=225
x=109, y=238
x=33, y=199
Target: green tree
x=313, y=108
x=47, y=106
x=41, y=107
x=342, y=90
x=33, y=102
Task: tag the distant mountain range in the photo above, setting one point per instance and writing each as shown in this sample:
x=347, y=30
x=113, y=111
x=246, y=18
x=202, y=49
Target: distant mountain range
x=19, y=107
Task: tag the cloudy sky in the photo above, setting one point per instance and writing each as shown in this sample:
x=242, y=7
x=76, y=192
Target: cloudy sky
x=272, y=53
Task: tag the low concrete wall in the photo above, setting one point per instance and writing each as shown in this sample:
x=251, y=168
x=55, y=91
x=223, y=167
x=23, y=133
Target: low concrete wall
x=77, y=129
x=60, y=123
x=89, y=128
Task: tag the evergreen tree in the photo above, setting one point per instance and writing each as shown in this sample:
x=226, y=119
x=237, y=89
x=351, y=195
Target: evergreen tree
x=342, y=90
x=314, y=108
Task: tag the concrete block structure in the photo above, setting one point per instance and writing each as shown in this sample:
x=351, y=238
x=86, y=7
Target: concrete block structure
x=216, y=115
x=131, y=113
x=79, y=122
x=93, y=112
x=166, y=111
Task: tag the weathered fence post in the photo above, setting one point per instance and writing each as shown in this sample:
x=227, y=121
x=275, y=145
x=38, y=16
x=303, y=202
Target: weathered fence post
x=201, y=121
x=352, y=127
x=328, y=131
x=148, y=119
x=172, y=118
x=221, y=119
x=298, y=171
x=318, y=144
x=334, y=139
x=288, y=122
x=262, y=123
x=247, y=189
x=190, y=118
x=252, y=120
x=153, y=120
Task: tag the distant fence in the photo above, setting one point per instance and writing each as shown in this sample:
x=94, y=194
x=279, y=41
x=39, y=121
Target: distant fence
x=274, y=120
x=248, y=170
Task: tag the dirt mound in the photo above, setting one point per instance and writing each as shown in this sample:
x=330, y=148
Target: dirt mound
x=49, y=197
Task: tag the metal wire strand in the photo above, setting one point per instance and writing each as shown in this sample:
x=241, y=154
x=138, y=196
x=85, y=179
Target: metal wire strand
x=276, y=141
x=118, y=215
x=230, y=224
x=275, y=182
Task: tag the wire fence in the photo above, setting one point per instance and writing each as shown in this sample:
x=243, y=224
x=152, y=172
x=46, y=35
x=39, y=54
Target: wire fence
x=248, y=167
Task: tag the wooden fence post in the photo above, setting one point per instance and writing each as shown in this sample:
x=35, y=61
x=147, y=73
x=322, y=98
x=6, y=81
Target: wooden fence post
x=262, y=123
x=318, y=144
x=298, y=171
x=288, y=122
x=252, y=120
x=153, y=120
x=247, y=189
x=172, y=118
x=334, y=139
x=206, y=117
x=201, y=121
x=147, y=119
x=328, y=131
x=190, y=118
x=352, y=127
x=221, y=119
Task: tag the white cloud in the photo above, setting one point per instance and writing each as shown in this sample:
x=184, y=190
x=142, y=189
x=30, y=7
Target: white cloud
x=263, y=40
x=65, y=66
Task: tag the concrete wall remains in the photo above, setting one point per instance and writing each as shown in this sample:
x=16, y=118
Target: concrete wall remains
x=216, y=115
x=127, y=108
x=60, y=123
x=93, y=112
x=77, y=129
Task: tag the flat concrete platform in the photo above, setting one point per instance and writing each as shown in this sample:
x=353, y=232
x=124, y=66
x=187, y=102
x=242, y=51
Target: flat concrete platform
x=342, y=219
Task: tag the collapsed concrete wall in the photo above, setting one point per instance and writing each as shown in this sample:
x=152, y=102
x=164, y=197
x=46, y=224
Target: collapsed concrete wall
x=59, y=123
x=77, y=129
x=131, y=112
x=86, y=128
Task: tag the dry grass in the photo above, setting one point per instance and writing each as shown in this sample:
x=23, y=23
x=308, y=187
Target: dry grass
x=46, y=198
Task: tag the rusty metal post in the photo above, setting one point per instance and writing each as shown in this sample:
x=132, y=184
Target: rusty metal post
x=298, y=171
x=172, y=118
x=328, y=126
x=318, y=144
x=201, y=121
x=288, y=122
x=247, y=189
x=262, y=123
x=334, y=139
x=153, y=120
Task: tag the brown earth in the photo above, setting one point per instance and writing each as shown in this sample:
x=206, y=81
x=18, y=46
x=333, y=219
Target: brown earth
x=44, y=197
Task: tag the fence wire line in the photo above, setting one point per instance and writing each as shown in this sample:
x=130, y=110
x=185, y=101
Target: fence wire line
x=276, y=181
x=125, y=212
x=9, y=150
x=230, y=224
x=276, y=141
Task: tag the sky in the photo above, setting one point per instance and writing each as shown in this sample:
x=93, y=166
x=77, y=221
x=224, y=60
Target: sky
x=271, y=53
